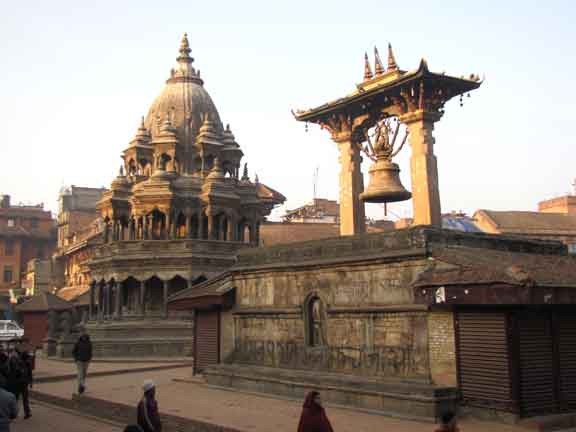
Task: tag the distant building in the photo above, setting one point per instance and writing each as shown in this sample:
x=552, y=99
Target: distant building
x=38, y=277
x=555, y=220
x=320, y=210
x=26, y=232
x=76, y=211
x=79, y=229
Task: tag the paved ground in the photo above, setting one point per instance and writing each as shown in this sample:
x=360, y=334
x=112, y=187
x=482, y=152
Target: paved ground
x=51, y=419
x=50, y=368
x=239, y=410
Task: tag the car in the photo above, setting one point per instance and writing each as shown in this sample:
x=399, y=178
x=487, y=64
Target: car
x=10, y=330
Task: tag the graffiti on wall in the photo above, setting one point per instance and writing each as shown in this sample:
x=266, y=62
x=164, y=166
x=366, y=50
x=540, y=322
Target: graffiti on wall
x=390, y=361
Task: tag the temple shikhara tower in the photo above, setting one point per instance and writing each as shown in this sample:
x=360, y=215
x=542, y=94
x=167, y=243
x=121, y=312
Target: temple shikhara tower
x=385, y=96
x=178, y=212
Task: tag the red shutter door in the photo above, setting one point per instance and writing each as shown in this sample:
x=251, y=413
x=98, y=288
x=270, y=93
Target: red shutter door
x=35, y=327
x=566, y=336
x=483, y=372
x=537, y=369
x=206, y=343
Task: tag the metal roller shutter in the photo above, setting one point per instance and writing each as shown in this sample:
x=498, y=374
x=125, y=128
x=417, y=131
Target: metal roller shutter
x=483, y=373
x=537, y=369
x=206, y=341
x=566, y=336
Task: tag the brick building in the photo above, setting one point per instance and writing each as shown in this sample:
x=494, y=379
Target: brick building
x=26, y=232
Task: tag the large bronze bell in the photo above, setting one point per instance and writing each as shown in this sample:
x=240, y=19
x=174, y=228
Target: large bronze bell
x=384, y=185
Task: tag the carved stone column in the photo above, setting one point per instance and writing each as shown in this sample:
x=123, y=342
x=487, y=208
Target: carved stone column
x=118, y=299
x=230, y=233
x=145, y=227
x=352, y=218
x=210, y=226
x=91, y=306
x=142, y=298
x=165, y=298
x=222, y=228
x=425, y=190
x=100, y=296
x=200, y=225
x=167, y=231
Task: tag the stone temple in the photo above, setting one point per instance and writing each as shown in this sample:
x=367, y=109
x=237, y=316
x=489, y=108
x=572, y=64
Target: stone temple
x=176, y=215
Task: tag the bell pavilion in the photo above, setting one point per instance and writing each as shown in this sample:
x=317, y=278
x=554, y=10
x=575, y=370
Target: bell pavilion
x=177, y=214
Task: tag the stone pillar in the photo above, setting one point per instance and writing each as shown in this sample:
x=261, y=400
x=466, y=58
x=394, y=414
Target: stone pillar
x=165, y=298
x=352, y=219
x=221, y=230
x=210, y=227
x=142, y=298
x=100, y=296
x=188, y=226
x=424, y=171
x=257, y=233
x=230, y=233
x=145, y=227
x=168, y=227
x=200, y=225
x=118, y=298
x=91, y=306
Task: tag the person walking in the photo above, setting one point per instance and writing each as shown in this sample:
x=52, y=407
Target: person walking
x=448, y=423
x=8, y=406
x=82, y=353
x=16, y=372
x=313, y=417
x=148, y=416
x=27, y=376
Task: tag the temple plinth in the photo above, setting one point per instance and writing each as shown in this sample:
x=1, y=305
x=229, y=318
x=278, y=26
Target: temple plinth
x=415, y=98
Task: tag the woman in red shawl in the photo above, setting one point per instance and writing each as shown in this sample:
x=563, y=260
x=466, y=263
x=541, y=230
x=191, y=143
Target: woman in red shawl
x=313, y=418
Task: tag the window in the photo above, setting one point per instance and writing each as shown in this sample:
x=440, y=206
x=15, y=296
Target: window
x=8, y=247
x=11, y=222
x=34, y=223
x=8, y=274
x=572, y=248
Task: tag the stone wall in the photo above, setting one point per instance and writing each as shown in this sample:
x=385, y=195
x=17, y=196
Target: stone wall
x=226, y=334
x=442, y=348
x=369, y=325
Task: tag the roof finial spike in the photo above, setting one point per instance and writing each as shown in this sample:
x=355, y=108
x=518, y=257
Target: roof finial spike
x=378, y=67
x=367, y=69
x=256, y=180
x=185, y=50
x=142, y=123
x=392, y=66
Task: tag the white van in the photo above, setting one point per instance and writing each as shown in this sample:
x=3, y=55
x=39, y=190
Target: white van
x=10, y=330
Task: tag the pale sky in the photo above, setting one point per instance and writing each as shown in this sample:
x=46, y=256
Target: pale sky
x=76, y=76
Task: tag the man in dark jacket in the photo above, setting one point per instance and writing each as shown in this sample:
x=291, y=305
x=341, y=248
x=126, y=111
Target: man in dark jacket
x=82, y=353
x=27, y=377
x=148, y=416
x=8, y=406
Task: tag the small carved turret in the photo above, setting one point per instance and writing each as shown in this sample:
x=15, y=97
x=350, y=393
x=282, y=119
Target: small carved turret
x=392, y=66
x=378, y=67
x=245, y=177
x=367, y=69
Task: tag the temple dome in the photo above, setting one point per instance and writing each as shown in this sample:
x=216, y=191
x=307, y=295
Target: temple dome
x=184, y=101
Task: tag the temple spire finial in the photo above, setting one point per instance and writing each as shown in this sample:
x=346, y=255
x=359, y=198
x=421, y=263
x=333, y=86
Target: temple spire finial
x=367, y=69
x=378, y=67
x=185, y=50
x=392, y=66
